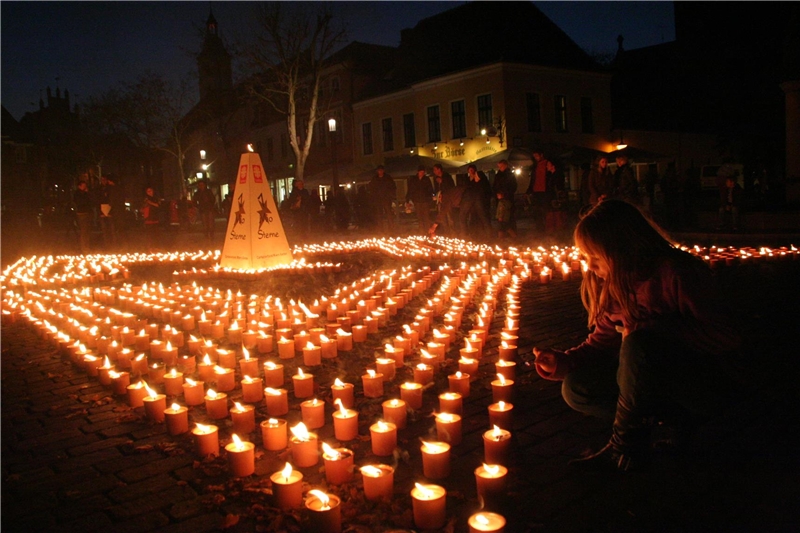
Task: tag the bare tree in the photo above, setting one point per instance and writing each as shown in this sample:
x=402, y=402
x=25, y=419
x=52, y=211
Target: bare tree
x=151, y=114
x=286, y=61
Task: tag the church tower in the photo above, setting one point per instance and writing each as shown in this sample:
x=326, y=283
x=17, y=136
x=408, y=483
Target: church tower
x=213, y=63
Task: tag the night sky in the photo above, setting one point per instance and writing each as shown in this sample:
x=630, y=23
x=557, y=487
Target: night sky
x=92, y=46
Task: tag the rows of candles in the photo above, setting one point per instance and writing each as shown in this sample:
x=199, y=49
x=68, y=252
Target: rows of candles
x=129, y=336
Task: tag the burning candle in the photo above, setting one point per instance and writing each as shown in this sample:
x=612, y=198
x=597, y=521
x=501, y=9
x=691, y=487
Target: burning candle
x=373, y=384
x=216, y=404
x=448, y=428
x=500, y=414
x=343, y=392
x=394, y=411
x=274, y=434
x=252, y=389
x=469, y=351
x=226, y=358
x=344, y=340
x=496, y=442
x=345, y=422
x=142, y=341
x=286, y=348
x=235, y=333
x=177, y=418
x=313, y=413
x=423, y=374
x=428, y=503
x=169, y=354
x=324, y=512
x=397, y=354
x=312, y=355
x=328, y=347
x=385, y=366
x=502, y=389
x=193, y=392
x=244, y=418
x=402, y=342
x=277, y=401
x=154, y=404
x=384, y=438
x=506, y=368
x=304, y=446
x=338, y=464
x=173, y=382
x=411, y=393
x=120, y=382
x=136, y=394
x=545, y=276
x=248, y=366
x=273, y=374
x=378, y=482
x=359, y=333
x=241, y=457
x=435, y=459
x=206, y=439
x=459, y=382
x=303, y=384
x=139, y=365
x=491, y=484
x=264, y=343
x=450, y=402
x=287, y=488
x=485, y=522
x=225, y=378
x=205, y=369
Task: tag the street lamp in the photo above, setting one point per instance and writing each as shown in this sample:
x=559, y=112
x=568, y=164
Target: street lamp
x=332, y=129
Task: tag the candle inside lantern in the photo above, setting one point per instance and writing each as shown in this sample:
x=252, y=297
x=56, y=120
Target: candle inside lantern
x=312, y=355
x=303, y=384
x=277, y=401
x=506, y=368
x=428, y=503
x=448, y=428
x=345, y=422
x=206, y=439
x=500, y=414
x=423, y=374
x=136, y=394
x=343, y=392
x=373, y=384
x=248, y=366
x=273, y=374
x=328, y=347
x=304, y=446
x=394, y=411
x=274, y=434
x=384, y=438
x=193, y=392
x=459, y=382
x=411, y=393
x=496, y=442
x=313, y=413
x=286, y=348
x=485, y=522
x=154, y=404
x=177, y=418
x=338, y=464
x=435, y=459
x=252, y=391
x=450, y=402
x=173, y=382
x=244, y=418
x=241, y=457
x=344, y=340
x=491, y=484
x=378, y=482
x=287, y=488
x=324, y=512
x=216, y=404
x=502, y=389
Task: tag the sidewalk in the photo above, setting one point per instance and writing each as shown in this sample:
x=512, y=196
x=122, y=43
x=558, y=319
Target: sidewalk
x=76, y=458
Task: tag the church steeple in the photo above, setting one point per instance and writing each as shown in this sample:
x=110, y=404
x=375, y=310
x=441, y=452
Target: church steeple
x=213, y=63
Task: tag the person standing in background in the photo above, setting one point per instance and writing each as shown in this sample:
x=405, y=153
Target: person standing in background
x=420, y=192
x=83, y=215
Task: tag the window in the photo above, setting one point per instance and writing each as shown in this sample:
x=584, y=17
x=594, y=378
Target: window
x=270, y=150
x=366, y=137
x=434, y=124
x=534, y=112
x=388, y=135
x=560, y=102
x=485, y=119
x=409, y=133
x=284, y=146
x=587, y=122
x=459, y=118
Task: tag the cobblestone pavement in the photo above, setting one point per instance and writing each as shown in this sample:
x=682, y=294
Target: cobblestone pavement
x=76, y=458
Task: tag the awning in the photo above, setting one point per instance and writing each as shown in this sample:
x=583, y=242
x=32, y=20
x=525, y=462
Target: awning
x=406, y=165
x=346, y=174
x=516, y=157
x=638, y=155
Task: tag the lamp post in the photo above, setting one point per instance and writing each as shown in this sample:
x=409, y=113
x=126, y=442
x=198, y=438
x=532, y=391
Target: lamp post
x=332, y=129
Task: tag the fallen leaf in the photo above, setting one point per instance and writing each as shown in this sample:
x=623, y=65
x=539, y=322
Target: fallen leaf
x=230, y=520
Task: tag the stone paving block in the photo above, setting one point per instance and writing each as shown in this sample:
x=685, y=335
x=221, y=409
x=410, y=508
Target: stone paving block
x=92, y=483
x=118, y=429
x=555, y=424
x=87, y=460
x=128, y=461
x=187, y=509
x=151, y=502
x=97, y=521
x=63, y=445
x=126, y=492
x=142, y=522
x=153, y=468
x=198, y=524
x=99, y=445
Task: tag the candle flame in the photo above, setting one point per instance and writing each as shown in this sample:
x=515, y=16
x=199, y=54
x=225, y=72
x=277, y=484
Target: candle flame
x=272, y=421
x=469, y=346
x=272, y=392
x=496, y=432
x=338, y=382
x=220, y=370
x=395, y=402
x=287, y=471
x=331, y=452
x=371, y=373
x=322, y=497
x=382, y=426
x=424, y=492
x=309, y=345
x=150, y=392
x=270, y=365
x=481, y=519
x=301, y=432
x=459, y=375
x=300, y=372
x=212, y=393
x=422, y=366
x=203, y=428
x=245, y=353
x=371, y=471
x=324, y=338
x=342, y=409
x=239, y=407
x=502, y=405
x=237, y=442
x=445, y=417
x=492, y=470
x=191, y=382
x=206, y=360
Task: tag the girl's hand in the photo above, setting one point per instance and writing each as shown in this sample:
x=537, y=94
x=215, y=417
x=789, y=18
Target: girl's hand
x=545, y=361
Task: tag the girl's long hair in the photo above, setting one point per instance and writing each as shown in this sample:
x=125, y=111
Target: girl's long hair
x=631, y=244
